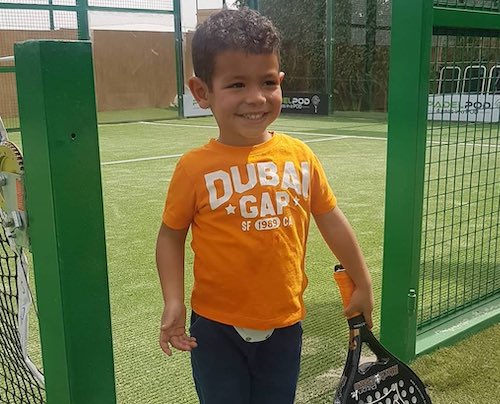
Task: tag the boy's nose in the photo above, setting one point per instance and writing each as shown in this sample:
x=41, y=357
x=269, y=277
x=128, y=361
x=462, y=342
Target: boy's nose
x=255, y=96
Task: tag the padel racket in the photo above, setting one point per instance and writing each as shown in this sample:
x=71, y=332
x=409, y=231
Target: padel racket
x=384, y=381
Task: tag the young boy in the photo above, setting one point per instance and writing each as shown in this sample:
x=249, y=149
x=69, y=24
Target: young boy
x=247, y=197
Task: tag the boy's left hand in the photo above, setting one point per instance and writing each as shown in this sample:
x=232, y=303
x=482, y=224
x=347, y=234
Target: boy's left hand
x=361, y=302
x=173, y=329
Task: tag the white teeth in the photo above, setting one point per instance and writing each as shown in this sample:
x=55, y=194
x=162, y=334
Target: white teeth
x=253, y=116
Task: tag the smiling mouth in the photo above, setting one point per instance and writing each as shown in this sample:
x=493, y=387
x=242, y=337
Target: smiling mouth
x=254, y=116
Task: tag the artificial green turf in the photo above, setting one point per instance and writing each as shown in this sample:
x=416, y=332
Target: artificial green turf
x=134, y=194
x=356, y=168
x=134, y=115
x=465, y=373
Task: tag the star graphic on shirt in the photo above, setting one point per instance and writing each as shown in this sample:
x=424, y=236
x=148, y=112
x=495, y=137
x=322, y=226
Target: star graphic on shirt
x=296, y=201
x=230, y=209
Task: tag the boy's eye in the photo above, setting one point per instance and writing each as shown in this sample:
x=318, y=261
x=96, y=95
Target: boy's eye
x=270, y=83
x=235, y=85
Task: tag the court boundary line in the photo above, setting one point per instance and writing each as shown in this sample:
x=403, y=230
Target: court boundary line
x=474, y=144
x=169, y=156
x=326, y=137
x=165, y=157
x=286, y=131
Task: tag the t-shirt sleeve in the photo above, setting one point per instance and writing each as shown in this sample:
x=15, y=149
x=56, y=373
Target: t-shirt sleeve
x=323, y=199
x=181, y=200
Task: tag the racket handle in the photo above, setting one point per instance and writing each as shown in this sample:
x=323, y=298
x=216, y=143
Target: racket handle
x=346, y=286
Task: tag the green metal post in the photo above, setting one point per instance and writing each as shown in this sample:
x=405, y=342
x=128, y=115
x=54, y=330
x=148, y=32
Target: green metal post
x=7, y=69
x=330, y=10
x=466, y=19
x=179, y=58
x=83, y=19
x=253, y=4
x=408, y=99
x=370, y=50
x=55, y=85
x=51, y=16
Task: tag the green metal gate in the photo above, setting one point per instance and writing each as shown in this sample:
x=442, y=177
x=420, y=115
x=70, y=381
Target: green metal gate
x=441, y=276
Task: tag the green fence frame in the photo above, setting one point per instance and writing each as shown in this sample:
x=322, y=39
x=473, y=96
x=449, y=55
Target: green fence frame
x=82, y=9
x=412, y=29
x=253, y=4
x=55, y=81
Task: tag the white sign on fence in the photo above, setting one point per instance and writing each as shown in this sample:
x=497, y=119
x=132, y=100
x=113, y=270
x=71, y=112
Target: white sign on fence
x=191, y=107
x=464, y=107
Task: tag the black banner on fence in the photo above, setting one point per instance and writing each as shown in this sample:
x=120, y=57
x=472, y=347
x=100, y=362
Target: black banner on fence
x=305, y=103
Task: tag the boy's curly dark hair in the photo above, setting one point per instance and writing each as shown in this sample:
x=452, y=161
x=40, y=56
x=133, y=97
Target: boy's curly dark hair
x=241, y=30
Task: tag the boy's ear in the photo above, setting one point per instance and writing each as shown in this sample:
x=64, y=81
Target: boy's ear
x=199, y=89
x=281, y=76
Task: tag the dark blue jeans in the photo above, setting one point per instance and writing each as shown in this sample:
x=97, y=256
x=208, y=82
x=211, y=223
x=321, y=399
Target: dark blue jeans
x=228, y=370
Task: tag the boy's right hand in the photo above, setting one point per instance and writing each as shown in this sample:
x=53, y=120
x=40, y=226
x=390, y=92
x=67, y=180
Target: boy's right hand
x=173, y=329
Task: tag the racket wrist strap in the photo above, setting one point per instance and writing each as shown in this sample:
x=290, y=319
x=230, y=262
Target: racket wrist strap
x=357, y=322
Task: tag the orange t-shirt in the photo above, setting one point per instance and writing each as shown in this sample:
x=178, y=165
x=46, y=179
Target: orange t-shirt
x=249, y=210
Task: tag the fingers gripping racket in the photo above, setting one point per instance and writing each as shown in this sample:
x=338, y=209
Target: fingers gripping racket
x=384, y=381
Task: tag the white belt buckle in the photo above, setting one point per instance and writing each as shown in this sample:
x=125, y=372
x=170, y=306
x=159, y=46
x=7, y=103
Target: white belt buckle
x=251, y=335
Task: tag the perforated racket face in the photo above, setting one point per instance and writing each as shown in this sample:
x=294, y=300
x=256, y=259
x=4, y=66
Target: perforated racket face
x=396, y=394
x=386, y=381
x=387, y=385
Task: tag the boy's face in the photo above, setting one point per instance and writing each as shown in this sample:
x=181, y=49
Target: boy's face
x=245, y=97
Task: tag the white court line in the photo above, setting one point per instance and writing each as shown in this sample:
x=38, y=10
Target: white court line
x=326, y=138
x=110, y=163
x=285, y=131
x=313, y=134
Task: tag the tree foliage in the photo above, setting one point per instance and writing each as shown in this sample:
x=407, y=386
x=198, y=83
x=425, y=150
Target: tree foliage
x=360, y=68
x=302, y=26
